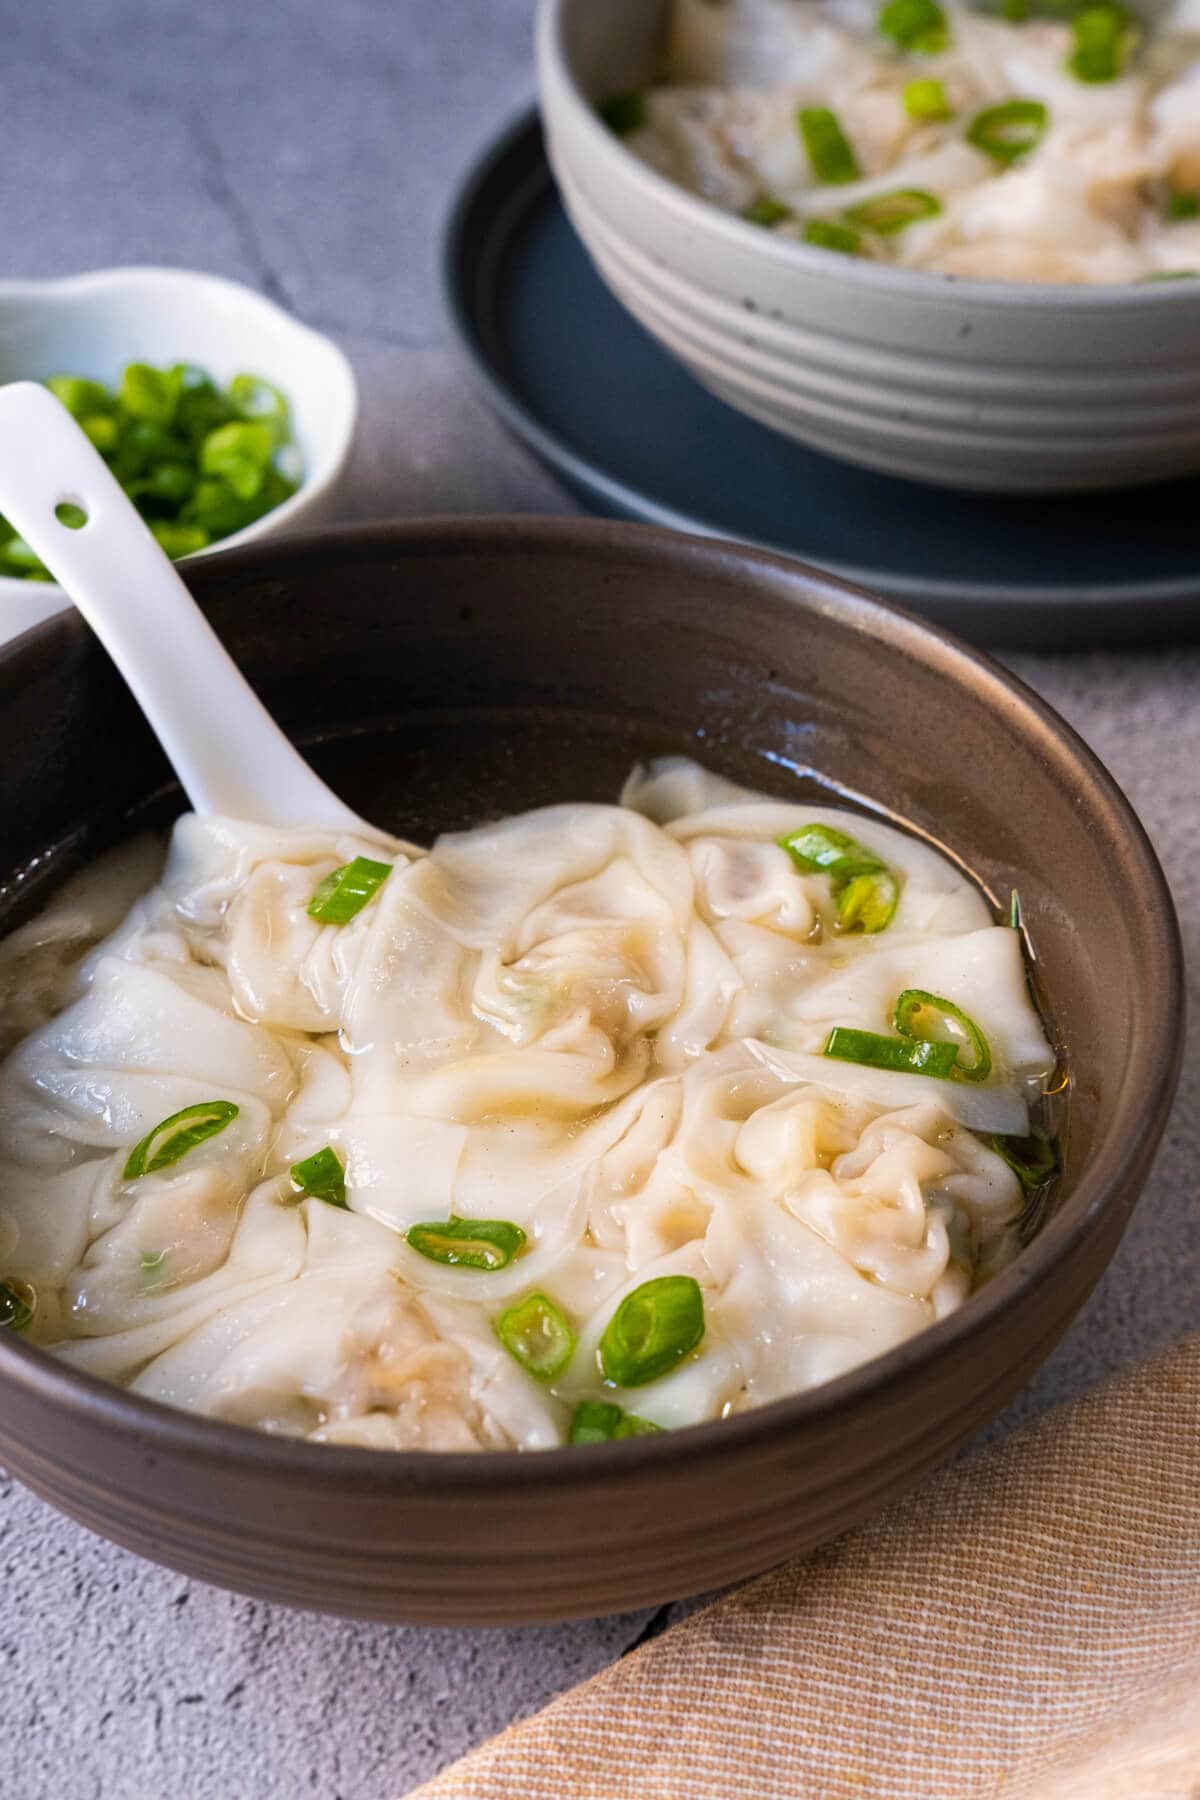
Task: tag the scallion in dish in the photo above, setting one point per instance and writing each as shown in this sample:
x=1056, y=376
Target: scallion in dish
x=652, y=1330
x=485, y=1244
x=537, y=1334
x=171, y=1140
x=198, y=461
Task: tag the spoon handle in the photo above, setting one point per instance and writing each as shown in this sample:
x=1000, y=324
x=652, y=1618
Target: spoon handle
x=230, y=756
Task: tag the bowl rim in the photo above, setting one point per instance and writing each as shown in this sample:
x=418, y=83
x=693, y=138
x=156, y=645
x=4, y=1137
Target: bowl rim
x=1138, y=1117
x=558, y=84
x=326, y=465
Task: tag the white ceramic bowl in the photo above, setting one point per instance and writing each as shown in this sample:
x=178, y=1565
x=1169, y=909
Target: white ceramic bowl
x=969, y=384
x=94, y=324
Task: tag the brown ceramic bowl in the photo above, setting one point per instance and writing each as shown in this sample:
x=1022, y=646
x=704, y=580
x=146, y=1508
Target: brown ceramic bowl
x=443, y=672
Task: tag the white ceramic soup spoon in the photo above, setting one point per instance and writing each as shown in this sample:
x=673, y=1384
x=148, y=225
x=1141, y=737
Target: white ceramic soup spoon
x=230, y=756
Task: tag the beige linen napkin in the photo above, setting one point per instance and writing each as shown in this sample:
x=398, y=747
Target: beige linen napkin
x=1027, y=1625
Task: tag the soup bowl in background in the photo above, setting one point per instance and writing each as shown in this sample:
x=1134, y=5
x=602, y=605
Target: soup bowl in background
x=470, y=669
x=1008, y=386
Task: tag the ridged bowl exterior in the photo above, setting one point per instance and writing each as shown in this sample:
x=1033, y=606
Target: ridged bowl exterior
x=458, y=669
x=968, y=384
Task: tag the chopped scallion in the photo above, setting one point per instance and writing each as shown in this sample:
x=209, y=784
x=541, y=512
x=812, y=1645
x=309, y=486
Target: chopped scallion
x=920, y=1014
x=829, y=152
x=830, y=234
x=149, y=393
x=766, y=211
x=887, y=214
x=926, y=99
x=321, y=1177
x=865, y=891
x=81, y=397
x=16, y=1314
x=1009, y=131
x=343, y=894
x=241, y=455
x=602, y=1421
x=536, y=1333
x=906, y=1056
x=1014, y=910
x=1033, y=1159
x=198, y=463
x=1102, y=38
x=916, y=25
x=652, y=1330
x=178, y=540
x=257, y=399
x=867, y=903
x=103, y=431
x=175, y=1136
x=486, y=1244
x=1183, y=206
x=823, y=850
x=625, y=113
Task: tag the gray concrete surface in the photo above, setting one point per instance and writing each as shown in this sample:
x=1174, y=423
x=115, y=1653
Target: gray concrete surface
x=309, y=148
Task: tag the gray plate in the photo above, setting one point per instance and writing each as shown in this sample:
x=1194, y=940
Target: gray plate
x=630, y=431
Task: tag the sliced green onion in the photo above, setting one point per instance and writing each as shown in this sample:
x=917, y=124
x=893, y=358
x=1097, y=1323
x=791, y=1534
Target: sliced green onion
x=917, y=25
x=601, y=1421
x=16, y=1314
x=867, y=903
x=887, y=214
x=1167, y=275
x=766, y=211
x=1183, y=206
x=148, y=393
x=1102, y=37
x=171, y=1140
x=625, y=113
x=260, y=400
x=829, y=152
x=19, y=558
x=1009, y=131
x=321, y=1177
x=1014, y=910
x=537, y=1335
x=823, y=850
x=1033, y=1159
x=241, y=455
x=467, y=1243
x=829, y=234
x=343, y=894
x=70, y=515
x=171, y=483
x=926, y=99
x=918, y=1015
x=102, y=430
x=81, y=397
x=198, y=464
x=178, y=540
x=652, y=1330
x=202, y=406
x=865, y=891
x=907, y=1056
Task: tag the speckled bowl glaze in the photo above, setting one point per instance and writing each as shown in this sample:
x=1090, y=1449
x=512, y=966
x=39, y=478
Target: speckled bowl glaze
x=466, y=669
x=968, y=384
